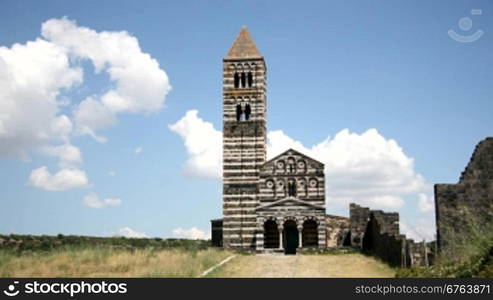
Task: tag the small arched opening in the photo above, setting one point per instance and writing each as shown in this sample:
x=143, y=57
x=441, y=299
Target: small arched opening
x=250, y=79
x=243, y=79
x=271, y=235
x=310, y=233
x=248, y=112
x=236, y=78
x=239, y=112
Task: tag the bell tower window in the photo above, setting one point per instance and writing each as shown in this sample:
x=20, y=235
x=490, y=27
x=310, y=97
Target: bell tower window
x=250, y=79
x=248, y=112
x=243, y=80
x=239, y=112
x=236, y=80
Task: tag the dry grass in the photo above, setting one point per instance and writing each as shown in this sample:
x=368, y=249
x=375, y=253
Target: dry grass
x=327, y=265
x=104, y=262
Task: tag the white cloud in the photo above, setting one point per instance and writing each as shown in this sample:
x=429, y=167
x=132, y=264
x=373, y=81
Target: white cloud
x=69, y=155
x=191, y=233
x=426, y=203
x=130, y=233
x=92, y=200
x=203, y=144
x=34, y=76
x=31, y=79
x=64, y=179
x=92, y=115
x=140, y=84
x=363, y=168
x=138, y=150
x=112, y=173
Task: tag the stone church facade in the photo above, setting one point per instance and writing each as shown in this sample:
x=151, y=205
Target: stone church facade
x=277, y=204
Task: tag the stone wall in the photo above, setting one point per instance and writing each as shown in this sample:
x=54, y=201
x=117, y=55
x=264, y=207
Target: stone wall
x=377, y=232
x=468, y=205
x=337, y=231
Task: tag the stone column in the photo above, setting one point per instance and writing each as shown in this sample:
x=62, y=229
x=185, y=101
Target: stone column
x=281, y=229
x=300, y=236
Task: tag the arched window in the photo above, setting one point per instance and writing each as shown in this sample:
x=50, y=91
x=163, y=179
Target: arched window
x=291, y=188
x=250, y=79
x=248, y=111
x=243, y=79
x=239, y=112
x=237, y=80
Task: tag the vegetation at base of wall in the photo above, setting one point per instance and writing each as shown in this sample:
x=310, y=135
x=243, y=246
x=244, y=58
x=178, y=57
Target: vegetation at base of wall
x=103, y=261
x=467, y=255
x=32, y=243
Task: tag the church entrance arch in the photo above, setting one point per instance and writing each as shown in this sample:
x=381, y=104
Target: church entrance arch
x=290, y=237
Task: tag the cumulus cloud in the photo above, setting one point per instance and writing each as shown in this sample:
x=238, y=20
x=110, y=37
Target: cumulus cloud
x=68, y=155
x=130, y=233
x=140, y=84
x=138, y=150
x=92, y=200
x=365, y=168
x=31, y=79
x=34, y=77
x=203, y=144
x=426, y=203
x=191, y=233
x=64, y=179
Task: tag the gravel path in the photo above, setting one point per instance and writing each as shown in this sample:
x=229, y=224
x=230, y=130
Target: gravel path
x=280, y=265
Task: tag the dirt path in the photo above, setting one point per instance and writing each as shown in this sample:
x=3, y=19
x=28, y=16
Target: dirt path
x=279, y=265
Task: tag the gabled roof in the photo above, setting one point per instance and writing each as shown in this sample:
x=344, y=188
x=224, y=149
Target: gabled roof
x=288, y=200
x=243, y=46
x=295, y=153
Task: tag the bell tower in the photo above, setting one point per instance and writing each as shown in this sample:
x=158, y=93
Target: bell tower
x=244, y=139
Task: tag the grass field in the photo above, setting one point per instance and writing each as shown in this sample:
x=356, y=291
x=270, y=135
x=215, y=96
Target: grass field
x=303, y=265
x=107, y=262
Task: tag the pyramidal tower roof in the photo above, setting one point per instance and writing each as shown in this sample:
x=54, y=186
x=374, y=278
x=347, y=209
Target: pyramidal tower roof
x=243, y=46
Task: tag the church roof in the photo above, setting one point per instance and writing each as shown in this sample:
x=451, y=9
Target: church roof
x=243, y=46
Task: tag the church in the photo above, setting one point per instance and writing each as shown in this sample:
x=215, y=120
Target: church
x=277, y=204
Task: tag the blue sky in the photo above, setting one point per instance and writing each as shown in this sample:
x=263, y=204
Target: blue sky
x=332, y=65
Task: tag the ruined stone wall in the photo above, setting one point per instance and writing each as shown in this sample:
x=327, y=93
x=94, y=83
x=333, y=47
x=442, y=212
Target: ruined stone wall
x=377, y=232
x=467, y=205
x=359, y=217
x=337, y=231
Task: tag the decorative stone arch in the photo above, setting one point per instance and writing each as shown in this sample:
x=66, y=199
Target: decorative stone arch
x=290, y=218
x=280, y=166
x=302, y=189
x=281, y=187
x=301, y=166
x=312, y=218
